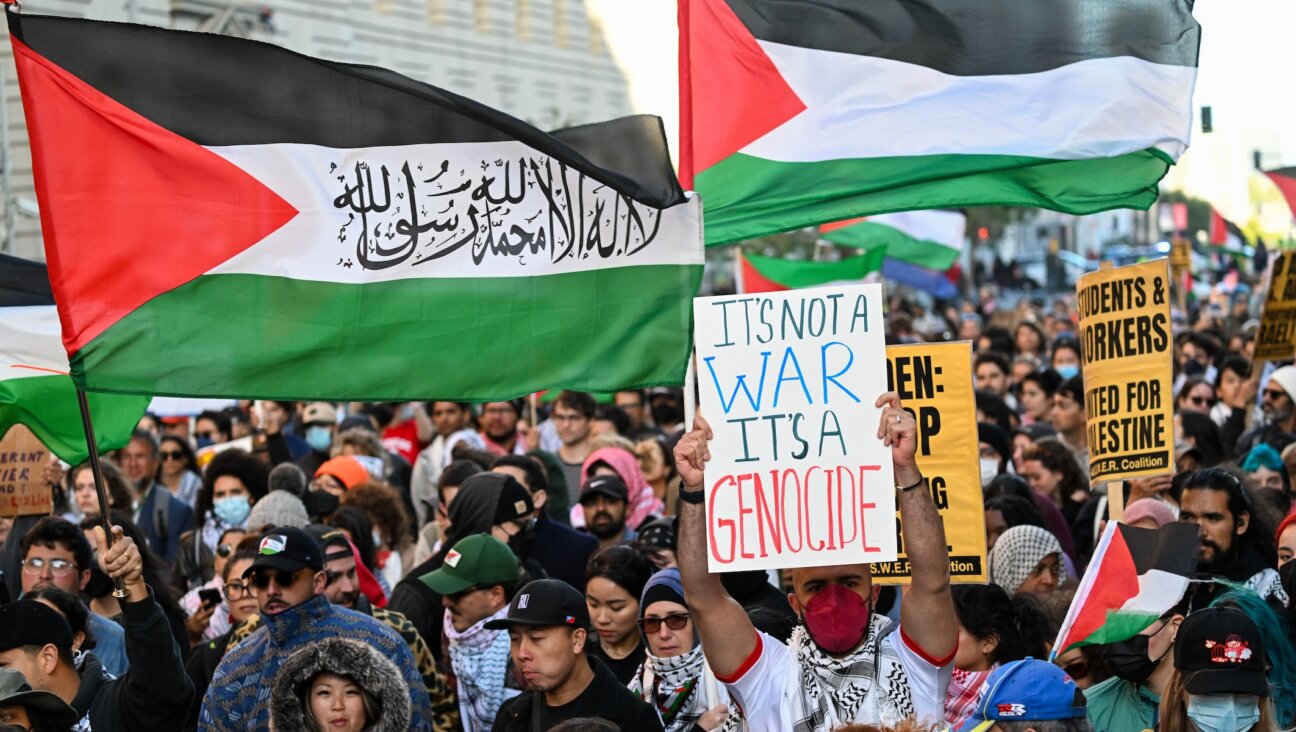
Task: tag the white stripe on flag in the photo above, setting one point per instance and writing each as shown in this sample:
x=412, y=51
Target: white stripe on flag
x=946, y=228
x=31, y=342
x=868, y=107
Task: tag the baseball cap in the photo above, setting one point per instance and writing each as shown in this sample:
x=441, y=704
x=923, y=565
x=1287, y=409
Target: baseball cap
x=514, y=502
x=1218, y=650
x=319, y=413
x=41, y=706
x=289, y=549
x=32, y=623
x=544, y=603
x=346, y=469
x=480, y=559
x=328, y=537
x=608, y=485
x=1029, y=690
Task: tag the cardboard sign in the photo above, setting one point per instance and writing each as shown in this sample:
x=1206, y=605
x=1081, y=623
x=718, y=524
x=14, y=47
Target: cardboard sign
x=1276, y=338
x=1180, y=254
x=798, y=477
x=1126, y=345
x=23, y=490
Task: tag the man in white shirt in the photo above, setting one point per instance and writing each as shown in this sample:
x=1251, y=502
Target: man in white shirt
x=843, y=664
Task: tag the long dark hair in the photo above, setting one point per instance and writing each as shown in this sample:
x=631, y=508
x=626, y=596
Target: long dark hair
x=356, y=522
x=190, y=460
x=153, y=565
x=624, y=566
x=1017, y=625
x=71, y=607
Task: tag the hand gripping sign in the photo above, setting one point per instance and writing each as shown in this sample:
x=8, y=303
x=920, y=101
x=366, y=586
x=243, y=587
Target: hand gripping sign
x=788, y=381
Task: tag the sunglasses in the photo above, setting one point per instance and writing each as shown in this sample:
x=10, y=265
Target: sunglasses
x=674, y=621
x=261, y=580
x=1200, y=401
x=1077, y=670
x=1274, y=394
x=172, y=455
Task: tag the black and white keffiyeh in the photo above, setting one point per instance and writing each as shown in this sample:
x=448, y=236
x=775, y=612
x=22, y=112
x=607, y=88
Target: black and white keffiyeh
x=834, y=689
x=675, y=687
x=1017, y=553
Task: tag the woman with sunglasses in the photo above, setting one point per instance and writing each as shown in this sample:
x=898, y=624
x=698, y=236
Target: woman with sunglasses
x=614, y=581
x=177, y=469
x=238, y=596
x=208, y=620
x=674, y=677
x=993, y=629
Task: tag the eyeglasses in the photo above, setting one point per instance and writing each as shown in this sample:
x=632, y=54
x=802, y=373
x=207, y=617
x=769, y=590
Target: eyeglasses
x=236, y=590
x=261, y=580
x=674, y=621
x=57, y=567
x=172, y=455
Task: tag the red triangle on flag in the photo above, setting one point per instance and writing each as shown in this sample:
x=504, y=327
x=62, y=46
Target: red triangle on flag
x=731, y=93
x=753, y=281
x=129, y=210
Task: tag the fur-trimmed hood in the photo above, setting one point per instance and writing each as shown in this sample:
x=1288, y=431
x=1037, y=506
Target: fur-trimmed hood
x=368, y=668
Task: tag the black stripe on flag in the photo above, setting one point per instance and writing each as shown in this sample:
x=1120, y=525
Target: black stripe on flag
x=23, y=283
x=1282, y=172
x=981, y=37
x=1172, y=548
x=219, y=90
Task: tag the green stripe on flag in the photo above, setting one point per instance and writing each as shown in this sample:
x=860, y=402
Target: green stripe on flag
x=898, y=245
x=748, y=197
x=1120, y=625
x=48, y=406
x=797, y=274
x=469, y=339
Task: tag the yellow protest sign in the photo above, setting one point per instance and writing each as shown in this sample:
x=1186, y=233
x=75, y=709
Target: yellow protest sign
x=1126, y=346
x=23, y=490
x=1180, y=254
x=1276, y=338
x=934, y=381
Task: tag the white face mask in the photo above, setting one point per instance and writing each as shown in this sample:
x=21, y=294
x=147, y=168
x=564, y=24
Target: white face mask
x=989, y=470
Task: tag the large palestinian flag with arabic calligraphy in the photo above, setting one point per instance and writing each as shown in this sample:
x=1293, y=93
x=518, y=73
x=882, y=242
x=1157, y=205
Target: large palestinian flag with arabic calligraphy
x=35, y=388
x=227, y=218
x=798, y=113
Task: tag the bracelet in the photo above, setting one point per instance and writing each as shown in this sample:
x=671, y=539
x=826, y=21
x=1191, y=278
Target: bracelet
x=694, y=497
x=907, y=488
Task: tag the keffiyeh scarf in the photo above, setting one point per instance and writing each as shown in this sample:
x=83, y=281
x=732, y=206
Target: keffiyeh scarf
x=834, y=689
x=480, y=659
x=674, y=686
x=1018, y=552
x=964, y=691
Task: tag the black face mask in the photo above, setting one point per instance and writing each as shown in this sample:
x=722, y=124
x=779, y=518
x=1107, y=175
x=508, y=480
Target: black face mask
x=1129, y=659
x=522, y=542
x=100, y=583
x=320, y=504
x=665, y=413
x=1193, y=367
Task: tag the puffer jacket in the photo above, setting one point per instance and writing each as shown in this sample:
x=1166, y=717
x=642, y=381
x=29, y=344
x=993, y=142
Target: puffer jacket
x=364, y=666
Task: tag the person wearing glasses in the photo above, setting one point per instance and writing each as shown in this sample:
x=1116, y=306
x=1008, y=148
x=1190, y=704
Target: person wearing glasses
x=207, y=609
x=55, y=553
x=178, y=470
x=476, y=583
x=289, y=579
x=674, y=677
x=238, y=595
x=1279, y=409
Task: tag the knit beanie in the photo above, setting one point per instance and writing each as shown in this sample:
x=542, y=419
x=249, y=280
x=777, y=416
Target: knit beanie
x=278, y=508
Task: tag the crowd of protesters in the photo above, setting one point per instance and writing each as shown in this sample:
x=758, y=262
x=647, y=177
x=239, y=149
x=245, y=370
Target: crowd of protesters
x=524, y=565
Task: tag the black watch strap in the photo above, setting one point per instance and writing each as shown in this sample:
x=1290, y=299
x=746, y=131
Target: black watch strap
x=692, y=496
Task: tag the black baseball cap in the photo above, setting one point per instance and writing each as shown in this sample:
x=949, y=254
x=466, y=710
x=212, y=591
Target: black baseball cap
x=289, y=549
x=329, y=537
x=609, y=485
x=545, y=603
x=32, y=623
x=1219, y=650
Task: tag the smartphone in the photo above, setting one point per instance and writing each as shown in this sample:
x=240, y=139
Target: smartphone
x=210, y=597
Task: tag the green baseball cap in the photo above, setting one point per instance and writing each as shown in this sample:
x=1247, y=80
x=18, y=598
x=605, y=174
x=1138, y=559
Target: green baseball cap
x=480, y=559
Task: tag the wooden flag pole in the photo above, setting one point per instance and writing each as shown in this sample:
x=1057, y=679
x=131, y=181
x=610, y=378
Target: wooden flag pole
x=92, y=447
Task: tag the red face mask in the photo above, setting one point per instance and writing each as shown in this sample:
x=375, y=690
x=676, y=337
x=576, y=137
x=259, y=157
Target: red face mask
x=837, y=619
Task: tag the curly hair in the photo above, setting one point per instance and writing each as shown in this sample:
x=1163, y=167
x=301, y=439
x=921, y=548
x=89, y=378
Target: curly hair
x=252, y=473
x=382, y=504
x=1057, y=458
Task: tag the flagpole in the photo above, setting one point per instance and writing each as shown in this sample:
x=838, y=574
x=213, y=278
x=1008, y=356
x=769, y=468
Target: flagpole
x=92, y=446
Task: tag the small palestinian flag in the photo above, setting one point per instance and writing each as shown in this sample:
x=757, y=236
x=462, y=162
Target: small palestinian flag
x=35, y=388
x=224, y=217
x=928, y=239
x=1135, y=576
x=1224, y=232
x=1284, y=178
x=797, y=113
x=768, y=274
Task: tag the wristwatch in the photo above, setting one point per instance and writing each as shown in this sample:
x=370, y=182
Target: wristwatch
x=695, y=497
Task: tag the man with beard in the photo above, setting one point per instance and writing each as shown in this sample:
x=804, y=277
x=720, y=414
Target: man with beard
x=1233, y=546
x=605, y=499
x=843, y=664
x=572, y=413
x=289, y=578
x=1279, y=408
x=499, y=427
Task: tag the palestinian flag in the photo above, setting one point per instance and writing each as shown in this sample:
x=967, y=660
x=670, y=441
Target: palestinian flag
x=1224, y=232
x=1135, y=576
x=227, y=218
x=797, y=113
x=929, y=239
x=768, y=274
x=1284, y=178
x=35, y=388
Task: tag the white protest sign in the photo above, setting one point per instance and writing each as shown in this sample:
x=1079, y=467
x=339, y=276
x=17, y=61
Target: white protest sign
x=798, y=476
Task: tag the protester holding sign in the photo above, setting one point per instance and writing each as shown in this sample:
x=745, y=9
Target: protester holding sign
x=843, y=664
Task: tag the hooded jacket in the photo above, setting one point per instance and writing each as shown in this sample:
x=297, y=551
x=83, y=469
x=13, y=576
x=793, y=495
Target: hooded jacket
x=372, y=672
x=235, y=700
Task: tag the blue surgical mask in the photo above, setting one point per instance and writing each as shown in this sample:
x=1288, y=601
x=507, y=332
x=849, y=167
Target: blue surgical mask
x=203, y=441
x=233, y=510
x=1068, y=371
x=1224, y=712
x=319, y=438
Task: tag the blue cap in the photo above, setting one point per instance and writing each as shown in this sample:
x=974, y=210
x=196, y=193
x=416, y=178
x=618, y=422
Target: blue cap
x=1025, y=690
